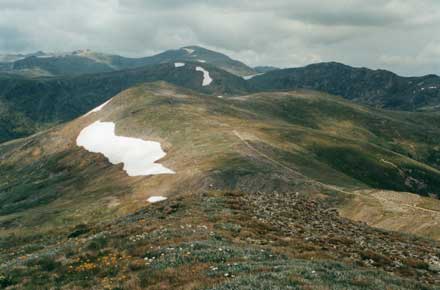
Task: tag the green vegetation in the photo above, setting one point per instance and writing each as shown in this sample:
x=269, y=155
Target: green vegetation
x=209, y=241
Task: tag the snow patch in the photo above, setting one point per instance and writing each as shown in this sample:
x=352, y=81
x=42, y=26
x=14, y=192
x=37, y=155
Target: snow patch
x=252, y=76
x=153, y=199
x=179, y=64
x=138, y=155
x=45, y=56
x=188, y=50
x=99, y=108
x=201, y=60
x=207, y=80
x=220, y=97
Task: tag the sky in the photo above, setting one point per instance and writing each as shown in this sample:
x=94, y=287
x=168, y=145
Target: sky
x=398, y=35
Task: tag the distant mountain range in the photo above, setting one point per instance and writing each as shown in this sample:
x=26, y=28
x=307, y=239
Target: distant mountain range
x=89, y=62
x=378, y=88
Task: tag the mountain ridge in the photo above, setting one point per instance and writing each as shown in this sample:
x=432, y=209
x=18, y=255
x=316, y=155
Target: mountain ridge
x=378, y=88
x=88, y=62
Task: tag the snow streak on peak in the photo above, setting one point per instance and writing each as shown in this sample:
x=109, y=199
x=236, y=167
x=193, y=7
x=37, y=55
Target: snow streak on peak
x=207, y=80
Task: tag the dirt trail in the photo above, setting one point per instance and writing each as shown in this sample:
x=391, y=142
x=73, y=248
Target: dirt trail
x=268, y=157
x=376, y=194
x=276, y=162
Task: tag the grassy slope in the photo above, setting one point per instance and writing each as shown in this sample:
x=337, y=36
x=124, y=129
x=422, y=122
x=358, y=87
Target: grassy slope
x=264, y=142
x=305, y=142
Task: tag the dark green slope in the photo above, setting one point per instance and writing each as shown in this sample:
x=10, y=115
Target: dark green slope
x=265, y=69
x=378, y=88
x=64, y=65
x=52, y=100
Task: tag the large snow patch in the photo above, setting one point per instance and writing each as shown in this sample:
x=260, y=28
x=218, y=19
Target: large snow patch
x=137, y=155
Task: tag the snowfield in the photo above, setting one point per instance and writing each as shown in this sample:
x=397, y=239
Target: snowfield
x=137, y=155
x=99, y=108
x=179, y=64
x=153, y=199
x=207, y=80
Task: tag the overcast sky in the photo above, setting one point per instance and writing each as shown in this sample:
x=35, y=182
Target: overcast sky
x=400, y=35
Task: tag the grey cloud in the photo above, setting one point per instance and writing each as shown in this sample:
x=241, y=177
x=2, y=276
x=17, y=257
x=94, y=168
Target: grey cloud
x=400, y=35
x=20, y=42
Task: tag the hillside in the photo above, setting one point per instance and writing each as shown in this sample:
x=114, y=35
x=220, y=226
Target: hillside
x=36, y=99
x=377, y=88
x=239, y=143
x=258, y=182
x=43, y=102
x=220, y=240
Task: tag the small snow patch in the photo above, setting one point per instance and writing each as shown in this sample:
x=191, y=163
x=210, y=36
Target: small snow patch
x=179, y=64
x=138, y=155
x=220, y=97
x=99, y=108
x=201, y=60
x=153, y=199
x=189, y=50
x=207, y=80
x=251, y=76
